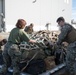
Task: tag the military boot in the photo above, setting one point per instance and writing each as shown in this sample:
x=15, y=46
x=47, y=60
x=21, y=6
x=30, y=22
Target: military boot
x=3, y=70
x=16, y=71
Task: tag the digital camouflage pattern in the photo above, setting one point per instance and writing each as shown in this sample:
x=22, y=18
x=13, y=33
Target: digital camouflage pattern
x=71, y=58
x=71, y=50
x=15, y=55
x=12, y=55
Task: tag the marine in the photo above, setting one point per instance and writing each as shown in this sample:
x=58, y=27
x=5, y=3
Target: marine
x=68, y=34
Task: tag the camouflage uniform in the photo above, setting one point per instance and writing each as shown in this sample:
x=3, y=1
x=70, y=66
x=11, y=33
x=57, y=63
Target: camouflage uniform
x=11, y=53
x=68, y=34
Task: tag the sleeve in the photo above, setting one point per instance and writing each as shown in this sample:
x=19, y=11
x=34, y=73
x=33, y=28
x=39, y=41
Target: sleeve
x=63, y=34
x=25, y=37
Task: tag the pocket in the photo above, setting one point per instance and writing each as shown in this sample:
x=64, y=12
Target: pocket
x=14, y=50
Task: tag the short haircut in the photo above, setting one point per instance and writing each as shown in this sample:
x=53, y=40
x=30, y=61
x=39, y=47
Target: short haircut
x=20, y=23
x=60, y=19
